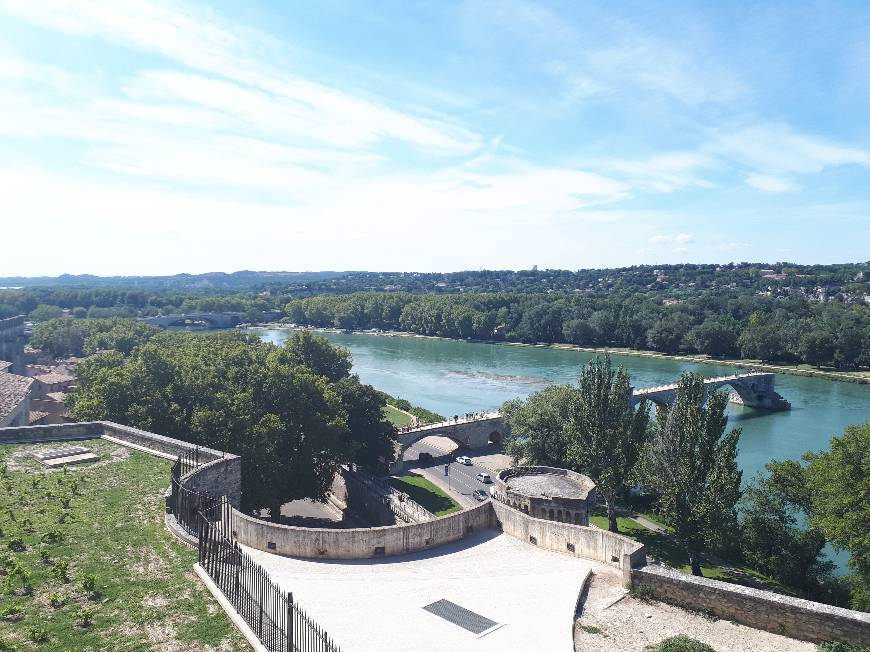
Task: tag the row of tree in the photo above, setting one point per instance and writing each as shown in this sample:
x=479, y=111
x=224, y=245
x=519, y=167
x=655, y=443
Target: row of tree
x=75, y=337
x=727, y=324
x=294, y=413
x=778, y=524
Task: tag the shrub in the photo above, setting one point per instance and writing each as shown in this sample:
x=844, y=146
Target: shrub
x=56, y=600
x=842, y=647
x=89, y=583
x=681, y=644
x=85, y=616
x=37, y=634
x=44, y=557
x=12, y=612
x=16, y=544
x=6, y=646
x=60, y=571
x=52, y=536
x=640, y=592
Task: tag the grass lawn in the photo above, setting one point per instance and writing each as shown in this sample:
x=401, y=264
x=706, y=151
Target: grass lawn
x=657, y=545
x=87, y=564
x=428, y=494
x=395, y=416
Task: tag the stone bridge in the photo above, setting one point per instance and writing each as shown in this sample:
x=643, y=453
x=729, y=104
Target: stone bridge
x=473, y=432
x=213, y=319
x=753, y=389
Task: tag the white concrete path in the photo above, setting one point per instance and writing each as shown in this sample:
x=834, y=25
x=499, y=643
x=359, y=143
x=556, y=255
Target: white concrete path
x=369, y=605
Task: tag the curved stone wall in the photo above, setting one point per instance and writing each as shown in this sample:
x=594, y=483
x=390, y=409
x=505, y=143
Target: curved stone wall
x=358, y=543
x=576, y=540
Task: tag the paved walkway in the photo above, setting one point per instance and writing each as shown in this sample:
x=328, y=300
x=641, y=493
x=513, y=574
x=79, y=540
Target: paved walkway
x=372, y=606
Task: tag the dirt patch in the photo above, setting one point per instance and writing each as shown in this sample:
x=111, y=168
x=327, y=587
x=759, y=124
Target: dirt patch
x=613, y=621
x=21, y=459
x=147, y=561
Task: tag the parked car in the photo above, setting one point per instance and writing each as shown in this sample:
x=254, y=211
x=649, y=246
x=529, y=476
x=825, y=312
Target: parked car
x=484, y=478
x=480, y=494
x=464, y=459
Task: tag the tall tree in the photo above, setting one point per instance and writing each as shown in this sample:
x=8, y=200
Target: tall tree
x=839, y=482
x=693, y=467
x=605, y=434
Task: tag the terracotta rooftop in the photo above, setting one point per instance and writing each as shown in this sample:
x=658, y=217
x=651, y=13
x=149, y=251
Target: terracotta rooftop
x=60, y=397
x=13, y=390
x=36, y=415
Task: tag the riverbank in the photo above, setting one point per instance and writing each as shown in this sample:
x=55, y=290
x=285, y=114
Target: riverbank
x=859, y=377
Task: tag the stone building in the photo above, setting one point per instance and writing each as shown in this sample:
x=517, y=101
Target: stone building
x=12, y=343
x=14, y=399
x=546, y=492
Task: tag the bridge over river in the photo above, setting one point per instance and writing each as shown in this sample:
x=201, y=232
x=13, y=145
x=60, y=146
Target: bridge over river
x=753, y=389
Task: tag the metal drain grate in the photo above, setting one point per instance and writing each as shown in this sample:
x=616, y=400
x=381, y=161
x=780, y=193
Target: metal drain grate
x=461, y=616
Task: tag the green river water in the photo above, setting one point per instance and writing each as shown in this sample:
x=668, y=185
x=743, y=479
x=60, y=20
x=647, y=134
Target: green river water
x=454, y=377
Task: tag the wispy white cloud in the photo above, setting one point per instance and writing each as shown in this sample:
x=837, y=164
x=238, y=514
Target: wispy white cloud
x=770, y=183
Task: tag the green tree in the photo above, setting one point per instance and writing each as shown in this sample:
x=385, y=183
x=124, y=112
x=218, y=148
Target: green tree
x=839, y=484
x=275, y=406
x=692, y=465
x=44, y=312
x=537, y=426
x=817, y=347
x=773, y=541
x=606, y=435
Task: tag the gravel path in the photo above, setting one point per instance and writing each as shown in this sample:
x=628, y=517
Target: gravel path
x=613, y=620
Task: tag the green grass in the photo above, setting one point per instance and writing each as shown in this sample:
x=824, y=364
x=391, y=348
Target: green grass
x=146, y=595
x=396, y=416
x=428, y=494
x=657, y=545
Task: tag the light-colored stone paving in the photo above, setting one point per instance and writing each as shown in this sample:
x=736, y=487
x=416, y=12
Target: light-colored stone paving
x=368, y=605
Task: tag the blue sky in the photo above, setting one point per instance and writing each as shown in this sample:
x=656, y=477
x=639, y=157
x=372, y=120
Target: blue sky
x=153, y=137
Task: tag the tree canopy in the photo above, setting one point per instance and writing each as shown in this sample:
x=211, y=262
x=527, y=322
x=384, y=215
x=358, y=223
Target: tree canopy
x=294, y=413
x=693, y=468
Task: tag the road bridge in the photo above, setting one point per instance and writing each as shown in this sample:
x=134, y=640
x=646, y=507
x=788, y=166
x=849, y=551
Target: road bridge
x=211, y=319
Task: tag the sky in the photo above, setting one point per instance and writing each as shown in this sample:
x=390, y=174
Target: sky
x=166, y=136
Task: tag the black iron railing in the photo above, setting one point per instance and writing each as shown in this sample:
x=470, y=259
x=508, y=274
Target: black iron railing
x=271, y=613
x=186, y=503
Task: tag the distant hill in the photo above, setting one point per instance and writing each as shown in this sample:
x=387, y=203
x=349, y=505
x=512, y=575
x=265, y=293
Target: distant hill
x=242, y=280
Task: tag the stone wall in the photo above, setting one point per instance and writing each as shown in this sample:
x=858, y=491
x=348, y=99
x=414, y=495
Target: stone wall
x=780, y=614
x=12, y=343
x=359, y=499
x=220, y=477
x=576, y=540
x=359, y=543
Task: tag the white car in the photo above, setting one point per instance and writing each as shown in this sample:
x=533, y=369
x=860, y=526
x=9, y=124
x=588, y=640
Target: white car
x=464, y=459
x=484, y=478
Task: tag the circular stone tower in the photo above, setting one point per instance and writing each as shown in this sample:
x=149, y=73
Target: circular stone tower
x=547, y=492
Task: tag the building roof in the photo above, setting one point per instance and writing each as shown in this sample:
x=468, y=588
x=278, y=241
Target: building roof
x=53, y=377
x=36, y=415
x=4, y=365
x=551, y=485
x=60, y=397
x=13, y=390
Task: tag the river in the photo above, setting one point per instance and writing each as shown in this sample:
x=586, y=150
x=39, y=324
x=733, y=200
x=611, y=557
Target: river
x=454, y=377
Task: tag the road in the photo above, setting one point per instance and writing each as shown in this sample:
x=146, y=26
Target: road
x=463, y=479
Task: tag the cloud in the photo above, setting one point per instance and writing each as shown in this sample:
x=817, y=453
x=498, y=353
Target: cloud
x=770, y=183
x=679, y=239
x=237, y=74
x=665, y=172
x=777, y=149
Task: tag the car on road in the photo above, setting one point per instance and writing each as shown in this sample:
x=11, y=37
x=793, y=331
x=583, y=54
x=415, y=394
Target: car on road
x=484, y=478
x=480, y=494
x=464, y=459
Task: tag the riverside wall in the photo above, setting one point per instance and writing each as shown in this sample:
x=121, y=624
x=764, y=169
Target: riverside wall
x=773, y=612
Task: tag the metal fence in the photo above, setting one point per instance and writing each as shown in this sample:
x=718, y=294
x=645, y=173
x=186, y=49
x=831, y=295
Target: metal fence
x=185, y=503
x=272, y=614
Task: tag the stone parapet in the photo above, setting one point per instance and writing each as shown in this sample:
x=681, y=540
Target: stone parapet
x=772, y=612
